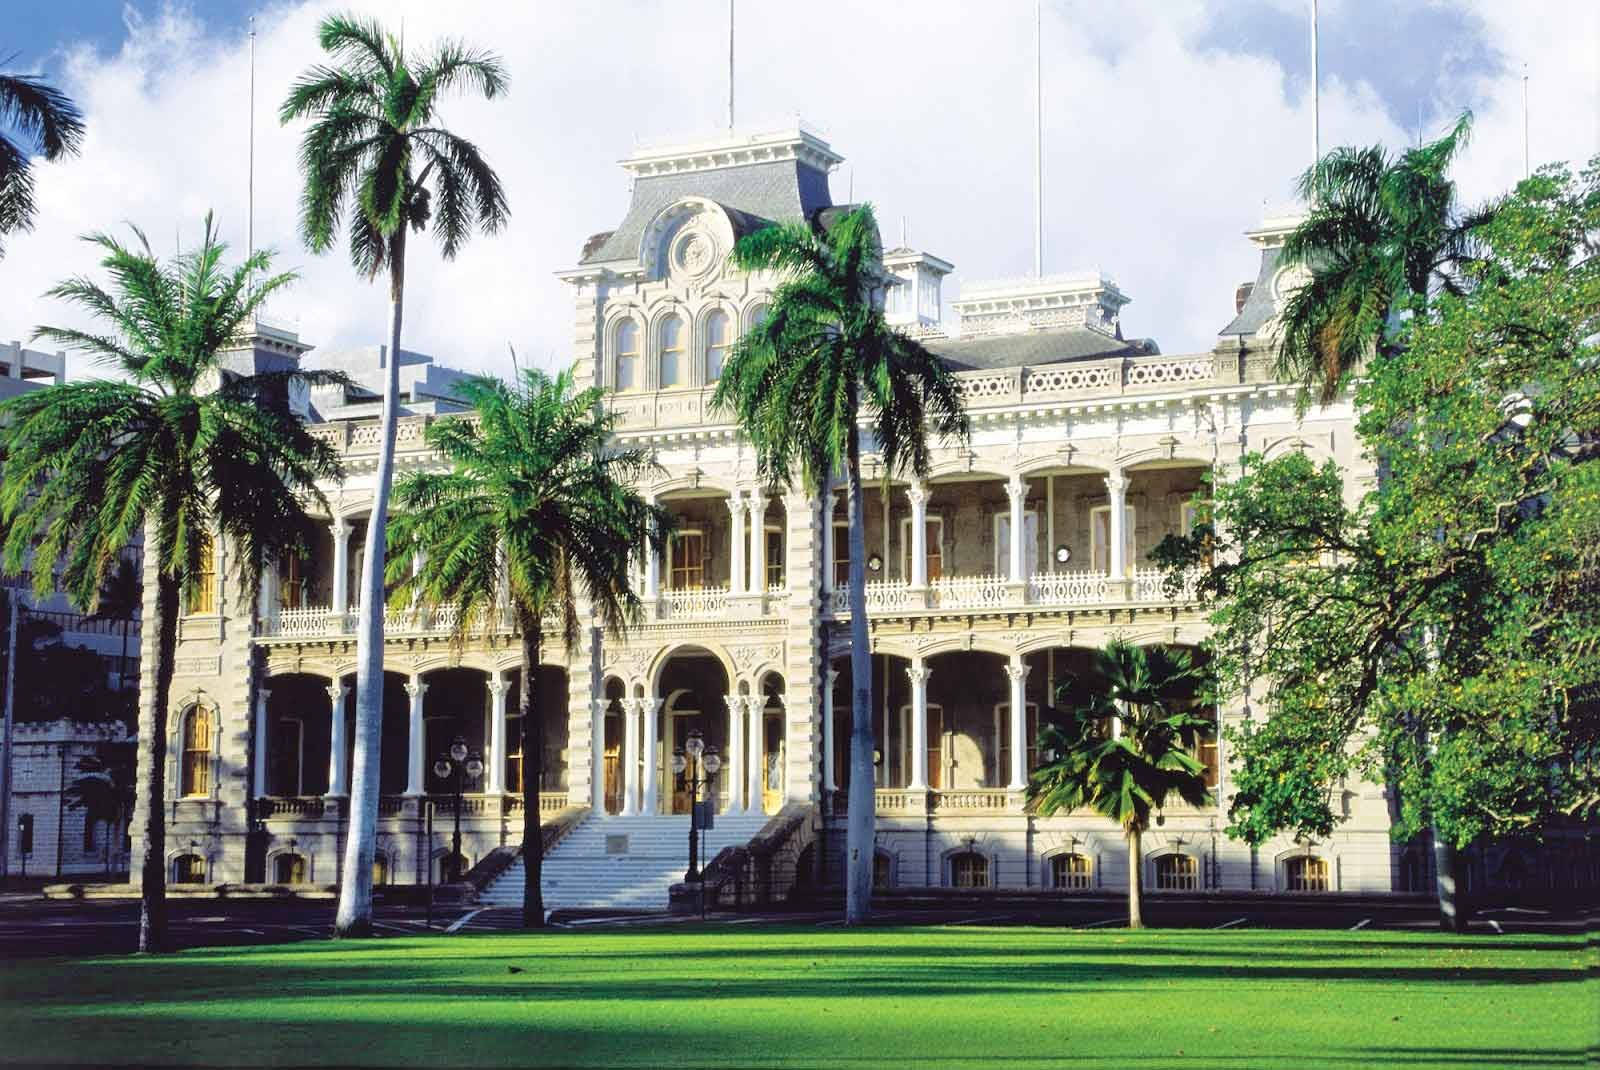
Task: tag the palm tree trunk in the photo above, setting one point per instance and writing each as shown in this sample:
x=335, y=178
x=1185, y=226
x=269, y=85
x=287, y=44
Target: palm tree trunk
x=532, y=774
x=860, y=840
x=1135, y=871
x=152, y=750
x=1447, y=883
x=354, y=917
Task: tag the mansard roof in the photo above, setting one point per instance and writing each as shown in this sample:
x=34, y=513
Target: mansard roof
x=1259, y=306
x=1033, y=348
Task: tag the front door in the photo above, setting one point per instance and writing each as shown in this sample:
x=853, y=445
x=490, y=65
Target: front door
x=683, y=722
x=613, y=763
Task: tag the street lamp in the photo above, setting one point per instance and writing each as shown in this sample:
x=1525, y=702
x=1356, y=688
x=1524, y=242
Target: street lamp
x=463, y=763
x=701, y=764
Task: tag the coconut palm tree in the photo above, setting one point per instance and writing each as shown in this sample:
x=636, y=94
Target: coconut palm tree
x=1383, y=232
x=34, y=110
x=378, y=163
x=179, y=449
x=1124, y=745
x=801, y=383
x=121, y=594
x=535, y=512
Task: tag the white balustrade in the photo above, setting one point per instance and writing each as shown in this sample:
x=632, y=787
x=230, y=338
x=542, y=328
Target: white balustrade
x=971, y=592
x=1149, y=585
x=694, y=603
x=307, y=621
x=886, y=596
x=1076, y=587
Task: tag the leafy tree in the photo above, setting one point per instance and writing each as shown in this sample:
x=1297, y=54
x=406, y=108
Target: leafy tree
x=1383, y=232
x=801, y=383
x=179, y=449
x=1124, y=746
x=31, y=109
x=1438, y=630
x=534, y=514
x=104, y=790
x=377, y=162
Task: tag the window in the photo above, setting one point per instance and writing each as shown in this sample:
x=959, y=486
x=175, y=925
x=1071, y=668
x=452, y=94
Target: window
x=203, y=589
x=188, y=869
x=380, y=870
x=969, y=869
x=1177, y=873
x=195, y=775
x=628, y=355
x=719, y=338
x=672, y=352
x=292, y=583
x=935, y=547
x=289, y=869
x=514, y=754
x=774, y=557
x=841, y=553
x=882, y=870
x=1002, y=544
x=1100, y=538
x=287, y=761
x=1307, y=873
x=1206, y=752
x=1070, y=872
x=688, y=561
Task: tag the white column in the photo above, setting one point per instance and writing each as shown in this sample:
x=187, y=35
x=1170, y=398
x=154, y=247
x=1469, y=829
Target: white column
x=652, y=573
x=341, y=564
x=262, y=738
x=416, y=689
x=919, y=672
x=597, y=755
x=828, y=550
x=828, y=781
x=756, y=771
x=1117, y=497
x=498, y=750
x=650, y=713
x=736, y=507
x=338, y=784
x=919, y=534
x=758, y=543
x=1017, y=491
x=734, y=763
x=268, y=599
x=1017, y=673
x=630, y=757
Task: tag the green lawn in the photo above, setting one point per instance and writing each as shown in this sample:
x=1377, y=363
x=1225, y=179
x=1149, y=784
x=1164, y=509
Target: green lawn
x=762, y=996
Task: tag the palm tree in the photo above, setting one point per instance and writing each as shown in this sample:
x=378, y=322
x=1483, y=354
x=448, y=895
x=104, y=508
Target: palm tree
x=104, y=790
x=1125, y=746
x=121, y=594
x=179, y=448
x=535, y=512
x=800, y=384
x=31, y=109
x=1382, y=233
x=371, y=151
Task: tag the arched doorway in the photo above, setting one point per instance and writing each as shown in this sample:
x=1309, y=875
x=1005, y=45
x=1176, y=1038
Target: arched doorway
x=694, y=687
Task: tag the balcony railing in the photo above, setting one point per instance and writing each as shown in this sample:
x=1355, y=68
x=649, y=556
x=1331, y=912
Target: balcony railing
x=315, y=622
x=1079, y=587
x=903, y=801
x=694, y=603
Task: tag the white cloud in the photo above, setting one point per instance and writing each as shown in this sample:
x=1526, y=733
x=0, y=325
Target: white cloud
x=1159, y=153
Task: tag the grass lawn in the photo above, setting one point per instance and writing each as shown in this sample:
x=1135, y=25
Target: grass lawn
x=763, y=996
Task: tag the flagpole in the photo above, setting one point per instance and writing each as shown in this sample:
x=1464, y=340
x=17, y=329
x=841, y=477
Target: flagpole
x=1527, y=160
x=1038, y=141
x=730, y=66
x=1316, y=87
x=250, y=210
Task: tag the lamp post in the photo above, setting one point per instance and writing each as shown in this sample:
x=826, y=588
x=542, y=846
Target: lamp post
x=462, y=763
x=701, y=764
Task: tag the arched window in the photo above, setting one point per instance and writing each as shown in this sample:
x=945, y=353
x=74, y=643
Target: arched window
x=380, y=870
x=969, y=869
x=195, y=771
x=188, y=869
x=1307, y=873
x=627, y=355
x=1070, y=872
x=719, y=337
x=1177, y=873
x=289, y=868
x=673, y=366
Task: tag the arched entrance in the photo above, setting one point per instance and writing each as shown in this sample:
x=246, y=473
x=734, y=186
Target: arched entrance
x=694, y=688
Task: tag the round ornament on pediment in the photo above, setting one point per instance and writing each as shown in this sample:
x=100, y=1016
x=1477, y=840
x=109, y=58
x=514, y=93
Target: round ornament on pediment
x=694, y=253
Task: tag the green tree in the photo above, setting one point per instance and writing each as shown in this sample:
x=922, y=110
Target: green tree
x=104, y=790
x=1436, y=632
x=1125, y=744
x=535, y=513
x=1383, y=232
x=33, y=114
x=377, y=162
x=178, y=449
x=801, y=384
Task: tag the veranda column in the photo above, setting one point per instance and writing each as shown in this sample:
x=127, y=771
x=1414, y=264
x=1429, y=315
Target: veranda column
x=829, y=552
x=652, y=575
x=918, y=672
x=262, y=696
x=268, y=597
x=1116, y=498
x=498, y=751
x=758, y=543
x=630, y=757
x=597, y=755
x=415, y=689
x=918, y=494
x=338, y=784
x=1017, y=491
x=736, y=507
x=828, y=781
x=341, y=564
x=650, y=713
x=1017, y=673
x=735, y=763
x=756, y=771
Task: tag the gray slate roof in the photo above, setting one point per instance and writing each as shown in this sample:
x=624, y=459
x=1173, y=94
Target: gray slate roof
x=1035, y=348
x=753, y=195
x=1258, y=306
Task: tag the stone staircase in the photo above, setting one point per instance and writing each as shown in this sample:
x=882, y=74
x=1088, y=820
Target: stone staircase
x=620, y=863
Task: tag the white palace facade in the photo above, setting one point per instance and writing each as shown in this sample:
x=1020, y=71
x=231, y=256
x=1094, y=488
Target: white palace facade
x=990, y=581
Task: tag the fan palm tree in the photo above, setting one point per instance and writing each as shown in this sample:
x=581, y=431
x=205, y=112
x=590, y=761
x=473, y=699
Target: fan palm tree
x=535, y=512
x=375, y=152
x=178, y=450
x=104, y=790
x=1125, y=746
x=31, y=109
x=1383, y=232
x=801, y=383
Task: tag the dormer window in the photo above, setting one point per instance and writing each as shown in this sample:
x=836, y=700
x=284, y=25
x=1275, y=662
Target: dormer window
x=628, y=355
x=672, y=353
x=719, y=337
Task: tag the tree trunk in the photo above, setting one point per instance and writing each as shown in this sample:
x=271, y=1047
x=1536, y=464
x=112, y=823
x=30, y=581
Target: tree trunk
x=860, y=840
x=354, y=917
x=152, y=759
x=1135, y=881
x=1447, y=882
x=532, y=773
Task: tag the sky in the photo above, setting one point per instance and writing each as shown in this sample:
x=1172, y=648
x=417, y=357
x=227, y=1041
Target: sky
x=1170, y=128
